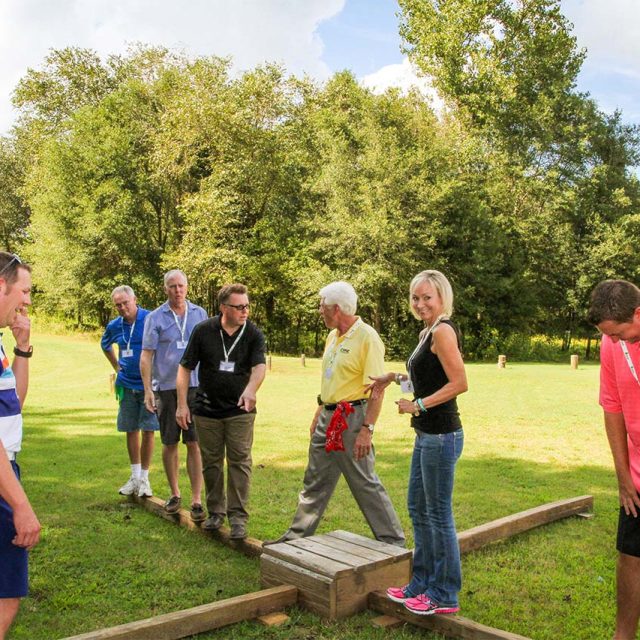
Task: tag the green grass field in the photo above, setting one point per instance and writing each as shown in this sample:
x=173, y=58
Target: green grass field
x=533, y=435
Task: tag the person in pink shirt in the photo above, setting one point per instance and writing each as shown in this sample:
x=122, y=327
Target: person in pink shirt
x=615, y=310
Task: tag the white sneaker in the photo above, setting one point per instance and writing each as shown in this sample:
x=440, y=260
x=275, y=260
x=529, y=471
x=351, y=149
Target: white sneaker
x=130, y=487
x=144, y=488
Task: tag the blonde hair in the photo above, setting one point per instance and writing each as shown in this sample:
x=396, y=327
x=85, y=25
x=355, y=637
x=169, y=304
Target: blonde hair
x=440, y=283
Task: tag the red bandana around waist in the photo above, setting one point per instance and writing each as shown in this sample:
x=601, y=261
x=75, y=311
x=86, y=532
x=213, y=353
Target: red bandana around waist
x=337, y=425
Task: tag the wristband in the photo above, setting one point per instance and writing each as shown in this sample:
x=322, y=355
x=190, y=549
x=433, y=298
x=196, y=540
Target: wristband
x=23, y=354
x=421, y=405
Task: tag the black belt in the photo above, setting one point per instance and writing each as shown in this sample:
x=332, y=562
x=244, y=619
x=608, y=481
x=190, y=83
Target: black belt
x=353, y=403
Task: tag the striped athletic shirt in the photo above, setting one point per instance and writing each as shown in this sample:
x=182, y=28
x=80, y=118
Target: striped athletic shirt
x=10, y=414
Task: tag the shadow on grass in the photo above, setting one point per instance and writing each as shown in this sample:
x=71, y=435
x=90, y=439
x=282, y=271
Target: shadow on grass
x=99, y=552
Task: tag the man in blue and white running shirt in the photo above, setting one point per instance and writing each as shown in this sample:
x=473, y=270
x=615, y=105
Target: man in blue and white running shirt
x=126, y=331
x=19, y=526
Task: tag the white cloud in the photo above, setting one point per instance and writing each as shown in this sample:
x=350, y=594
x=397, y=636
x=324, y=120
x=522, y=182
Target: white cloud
x=403, y=76
x=609, y=29
x=251, y=31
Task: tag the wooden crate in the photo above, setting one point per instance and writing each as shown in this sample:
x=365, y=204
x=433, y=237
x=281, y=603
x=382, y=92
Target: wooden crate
x=335, y=572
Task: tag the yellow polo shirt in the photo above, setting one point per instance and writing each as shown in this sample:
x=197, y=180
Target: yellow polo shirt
x=348, y=361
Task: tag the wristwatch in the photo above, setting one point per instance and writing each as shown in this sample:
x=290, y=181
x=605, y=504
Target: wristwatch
x=371, y=427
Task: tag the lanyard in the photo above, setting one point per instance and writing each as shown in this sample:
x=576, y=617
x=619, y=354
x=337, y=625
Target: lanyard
x=627, y=357
x=423, y=339
x=332, y=350
x=235, y=342
x=133, y=328
x=184, y=324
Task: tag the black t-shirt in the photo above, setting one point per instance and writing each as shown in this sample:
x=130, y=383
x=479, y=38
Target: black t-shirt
x=219, y=391
x=427, y=375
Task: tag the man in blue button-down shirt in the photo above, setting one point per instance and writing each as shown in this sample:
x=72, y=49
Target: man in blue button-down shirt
x=166, y=334
x=126, y=331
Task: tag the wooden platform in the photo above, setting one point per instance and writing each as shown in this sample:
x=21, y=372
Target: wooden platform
x=335, y=572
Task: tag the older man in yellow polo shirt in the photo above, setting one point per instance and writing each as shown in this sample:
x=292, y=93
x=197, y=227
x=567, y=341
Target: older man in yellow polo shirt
x=343, y=425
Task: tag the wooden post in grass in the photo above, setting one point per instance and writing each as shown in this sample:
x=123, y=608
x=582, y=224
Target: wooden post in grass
x=502, y=362
x=269, y=363
x=302, y=360
x=574, y=361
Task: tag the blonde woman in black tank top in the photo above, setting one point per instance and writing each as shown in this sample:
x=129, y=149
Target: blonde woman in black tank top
x=436, y=376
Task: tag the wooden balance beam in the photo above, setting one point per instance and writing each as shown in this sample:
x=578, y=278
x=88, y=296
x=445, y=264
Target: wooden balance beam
x=249, y=546
x=479, y=536
x=451, y=626
x=206, y=617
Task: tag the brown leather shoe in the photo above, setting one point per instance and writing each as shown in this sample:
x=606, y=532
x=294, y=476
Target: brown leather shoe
x=238, y=532
x=213, y=523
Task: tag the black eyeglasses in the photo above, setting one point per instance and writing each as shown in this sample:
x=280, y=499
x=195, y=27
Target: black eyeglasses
x=14, y=260
x=239, y=307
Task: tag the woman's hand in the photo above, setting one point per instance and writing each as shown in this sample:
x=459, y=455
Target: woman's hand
x=379, y=384
x=407, y=406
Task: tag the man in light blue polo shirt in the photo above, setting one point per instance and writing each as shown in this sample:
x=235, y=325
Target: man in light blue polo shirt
x=166, y=334
x=126, y=331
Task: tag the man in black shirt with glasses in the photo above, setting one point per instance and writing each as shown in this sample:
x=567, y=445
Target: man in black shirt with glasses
x=230, y=350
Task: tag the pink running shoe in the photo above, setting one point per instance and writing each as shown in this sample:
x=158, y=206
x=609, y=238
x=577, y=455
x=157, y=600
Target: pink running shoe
x=398, y=594
x=425, y=606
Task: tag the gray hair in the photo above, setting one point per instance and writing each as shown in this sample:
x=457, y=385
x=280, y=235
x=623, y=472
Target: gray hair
x=174, y=272
x=342, y=294
x=123, y=288
x=440, y=283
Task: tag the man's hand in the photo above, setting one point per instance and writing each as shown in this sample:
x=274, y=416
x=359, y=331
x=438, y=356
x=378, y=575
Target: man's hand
x=629, y=498
x=21, y=329
x=183, y=417
x=27, y=527
x=150, y=401
x=362, y=446
x=247, y=400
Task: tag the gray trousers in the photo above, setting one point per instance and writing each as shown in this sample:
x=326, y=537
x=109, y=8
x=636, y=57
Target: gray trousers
x=231, y=438
x=322, y=475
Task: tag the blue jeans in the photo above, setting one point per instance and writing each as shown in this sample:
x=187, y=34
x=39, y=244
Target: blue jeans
x=436, y=557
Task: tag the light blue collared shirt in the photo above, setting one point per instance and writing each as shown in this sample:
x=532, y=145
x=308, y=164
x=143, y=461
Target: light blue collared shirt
x=161, y=334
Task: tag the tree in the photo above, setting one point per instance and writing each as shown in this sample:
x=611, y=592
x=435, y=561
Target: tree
x=14, y=211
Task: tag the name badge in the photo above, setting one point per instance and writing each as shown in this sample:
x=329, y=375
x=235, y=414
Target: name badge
x=227, y=366
x=406, y=386
x=181, y=344
x=127, y=353
x=328, y=373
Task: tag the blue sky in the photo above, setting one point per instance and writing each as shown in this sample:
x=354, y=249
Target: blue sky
x=364, y=37
x=317, y=37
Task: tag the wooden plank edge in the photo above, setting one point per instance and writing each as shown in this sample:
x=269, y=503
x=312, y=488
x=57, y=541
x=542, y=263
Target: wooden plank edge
x=179, y=624
x=489, y=532
x=451, y=626
x=251, y=547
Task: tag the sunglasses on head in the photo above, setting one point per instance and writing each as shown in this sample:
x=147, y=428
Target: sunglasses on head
x=14, y=260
